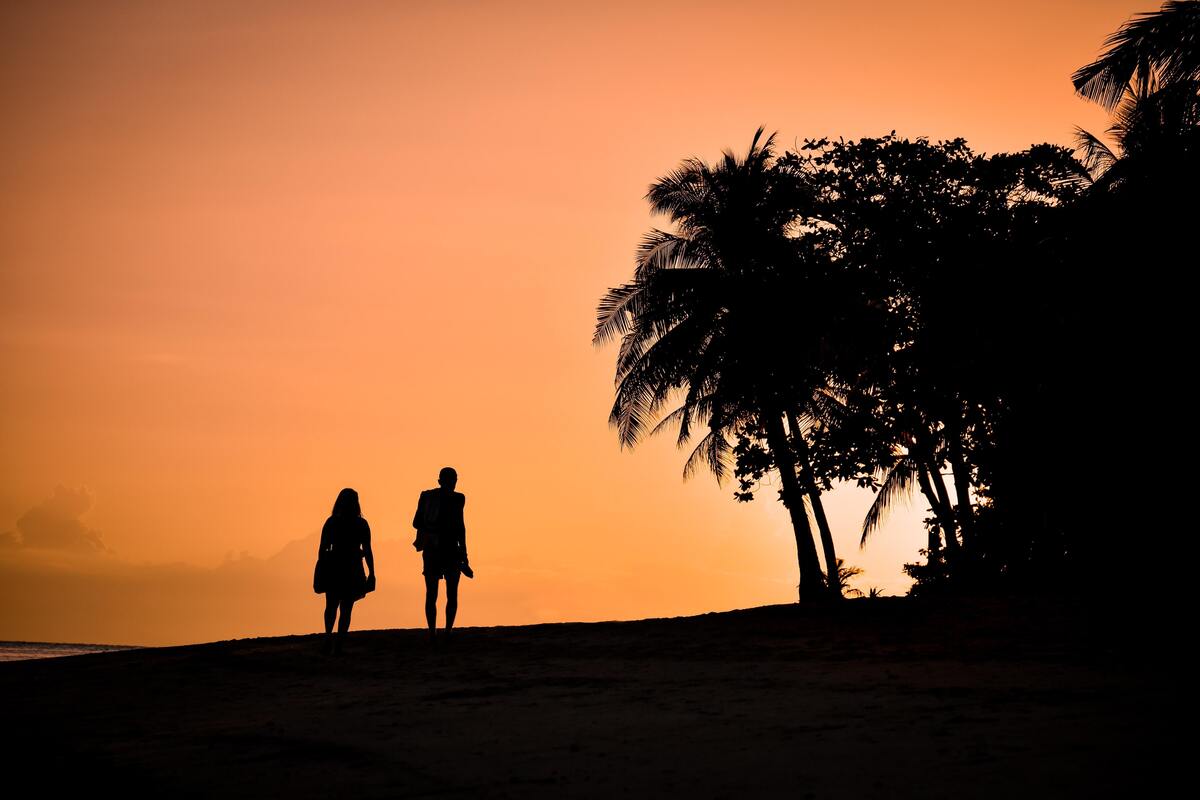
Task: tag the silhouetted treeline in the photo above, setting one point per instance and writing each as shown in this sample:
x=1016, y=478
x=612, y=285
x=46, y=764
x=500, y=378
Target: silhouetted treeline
x=1000, y=333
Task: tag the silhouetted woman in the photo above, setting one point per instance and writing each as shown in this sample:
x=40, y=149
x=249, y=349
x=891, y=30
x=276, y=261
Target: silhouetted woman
x=345, y=542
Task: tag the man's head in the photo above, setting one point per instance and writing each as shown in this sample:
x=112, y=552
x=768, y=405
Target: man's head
x=448, y=478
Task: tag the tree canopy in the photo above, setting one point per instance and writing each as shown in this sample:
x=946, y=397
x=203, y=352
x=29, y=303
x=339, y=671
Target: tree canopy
x=913, y=315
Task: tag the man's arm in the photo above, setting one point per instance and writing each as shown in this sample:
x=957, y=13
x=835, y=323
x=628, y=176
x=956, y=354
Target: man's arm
x=462, y=533
x=417, y=516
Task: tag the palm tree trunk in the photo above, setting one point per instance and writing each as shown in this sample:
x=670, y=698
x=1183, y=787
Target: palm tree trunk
x=833, y=580
x=943, y=509
x=812, y=587
x=935, y=543
x=962, y=482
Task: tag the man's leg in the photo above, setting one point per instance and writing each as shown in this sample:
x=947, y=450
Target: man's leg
x=451, y=598
x=431, y=593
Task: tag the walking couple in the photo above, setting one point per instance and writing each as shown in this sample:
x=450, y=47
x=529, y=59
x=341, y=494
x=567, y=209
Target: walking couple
x=346, y=544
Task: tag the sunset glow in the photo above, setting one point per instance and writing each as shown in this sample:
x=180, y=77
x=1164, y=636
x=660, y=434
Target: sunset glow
x=251, y=254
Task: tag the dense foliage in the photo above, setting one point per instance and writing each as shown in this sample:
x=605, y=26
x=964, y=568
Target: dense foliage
x=912, y=315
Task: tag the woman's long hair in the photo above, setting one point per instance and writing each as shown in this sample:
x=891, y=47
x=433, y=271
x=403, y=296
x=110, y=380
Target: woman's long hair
x=346, y=504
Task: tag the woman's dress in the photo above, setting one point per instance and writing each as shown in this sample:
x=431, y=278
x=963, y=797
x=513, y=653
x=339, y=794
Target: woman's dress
x=343, y=541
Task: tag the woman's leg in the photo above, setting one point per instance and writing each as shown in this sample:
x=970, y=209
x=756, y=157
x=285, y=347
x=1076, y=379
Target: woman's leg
x=331, y=604
x=347, y=607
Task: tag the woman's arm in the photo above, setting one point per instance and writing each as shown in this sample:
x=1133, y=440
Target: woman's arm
x=324, y=545
x=370, y=556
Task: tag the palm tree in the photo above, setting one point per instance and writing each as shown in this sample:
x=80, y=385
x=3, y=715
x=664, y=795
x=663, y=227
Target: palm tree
x=882, y=432
x=1155, y=135
x=1137, y=221
x=1152, y=50
x=1149, y=77
x=708, y=319
x=896, y=486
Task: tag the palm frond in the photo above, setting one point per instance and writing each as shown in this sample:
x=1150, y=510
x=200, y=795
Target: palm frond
x=680, y=415
x=662, y=250
x=1096, y=156
x=1153, y=48
x=713, y=451
x=681, y=191
x=691, y=411
x=896, y=486
x=645, y=383
x=614, y=311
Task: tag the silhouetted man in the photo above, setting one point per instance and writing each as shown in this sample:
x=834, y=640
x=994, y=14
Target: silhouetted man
x=442, y=540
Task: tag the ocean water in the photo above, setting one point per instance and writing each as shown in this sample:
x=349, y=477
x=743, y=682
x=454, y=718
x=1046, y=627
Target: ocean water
x=23, y=651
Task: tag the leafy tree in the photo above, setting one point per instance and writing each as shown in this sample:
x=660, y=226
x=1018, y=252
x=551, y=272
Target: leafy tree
x=951, y=243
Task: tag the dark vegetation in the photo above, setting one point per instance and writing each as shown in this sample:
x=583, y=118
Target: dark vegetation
x=1004, y=333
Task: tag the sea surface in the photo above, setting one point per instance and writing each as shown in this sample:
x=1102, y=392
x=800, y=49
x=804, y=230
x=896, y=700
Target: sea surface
x=23, y=651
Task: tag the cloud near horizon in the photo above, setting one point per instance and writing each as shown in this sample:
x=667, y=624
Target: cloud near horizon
x=55, y=524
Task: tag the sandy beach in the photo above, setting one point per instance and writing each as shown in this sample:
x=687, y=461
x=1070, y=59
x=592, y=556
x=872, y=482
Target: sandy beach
x=878, y=698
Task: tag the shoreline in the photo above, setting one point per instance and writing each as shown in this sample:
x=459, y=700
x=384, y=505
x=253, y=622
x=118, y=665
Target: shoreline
x=33, y=651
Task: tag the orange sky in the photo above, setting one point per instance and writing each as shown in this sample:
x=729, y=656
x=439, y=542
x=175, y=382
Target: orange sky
x=251, y=253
